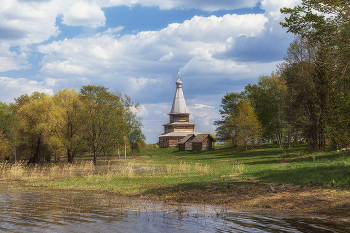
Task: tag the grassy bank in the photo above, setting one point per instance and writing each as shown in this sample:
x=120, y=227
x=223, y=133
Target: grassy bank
x=266, y=177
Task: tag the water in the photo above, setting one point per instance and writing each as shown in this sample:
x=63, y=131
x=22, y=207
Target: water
x=33, y=210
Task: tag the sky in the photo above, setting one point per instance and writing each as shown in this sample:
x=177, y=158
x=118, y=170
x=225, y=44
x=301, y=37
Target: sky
x=138, y=47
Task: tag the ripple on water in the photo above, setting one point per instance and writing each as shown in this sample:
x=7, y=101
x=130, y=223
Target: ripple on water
x=31, y=210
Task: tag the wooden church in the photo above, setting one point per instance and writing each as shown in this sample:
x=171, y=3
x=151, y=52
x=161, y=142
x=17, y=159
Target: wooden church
x=179, y=126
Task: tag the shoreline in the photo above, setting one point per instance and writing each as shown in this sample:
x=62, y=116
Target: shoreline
x=287, y=199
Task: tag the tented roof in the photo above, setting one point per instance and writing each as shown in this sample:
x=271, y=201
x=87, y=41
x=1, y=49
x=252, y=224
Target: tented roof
x=179, y=104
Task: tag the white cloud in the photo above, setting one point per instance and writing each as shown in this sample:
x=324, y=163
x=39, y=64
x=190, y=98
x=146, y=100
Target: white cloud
x=212, y=29
x=194, y=42
x=64, y=67
x=114, y=30
x=206, y=5
x=84, y=14
x=203, y=63
x=143, y=111
x=140, y=111
x=204, y=116
x=167, y=57
x=140, y=83
x=25, y=23
x=12, y=60
x=272, y=7
x=10, y=88
x=200, y=106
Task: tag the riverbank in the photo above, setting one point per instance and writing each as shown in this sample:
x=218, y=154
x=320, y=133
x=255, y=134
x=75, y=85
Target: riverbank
x=269, y=178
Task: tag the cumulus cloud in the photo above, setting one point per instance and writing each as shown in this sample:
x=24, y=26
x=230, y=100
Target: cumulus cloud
x=84, y=14
x=25, y=23
x=192, y=42
x=203, y=115
x=206, y=5
x=167, y=57
x=114, y=30
x=213, y=28
x=199, y=106
x=272, y=7
x=10, y=88
x=140, y=83
x=65, y=67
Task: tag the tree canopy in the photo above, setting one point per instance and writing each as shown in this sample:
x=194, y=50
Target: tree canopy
x=38, y=126
x=37, y=122
x=103, y=114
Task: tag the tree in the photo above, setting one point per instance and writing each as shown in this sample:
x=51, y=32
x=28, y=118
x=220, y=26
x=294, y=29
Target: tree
x=4, y=147
x=268, y=98
x=310, y=90
x=71, y=132
x=134, y=132
x=6, y=114
x=325, y=25
x=36, y=124
x=246, y=124
x=103, y=113
x=135, y=135
x=224, y=127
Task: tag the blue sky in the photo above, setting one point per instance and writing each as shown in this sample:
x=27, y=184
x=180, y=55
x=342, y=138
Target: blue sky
x=138, y=47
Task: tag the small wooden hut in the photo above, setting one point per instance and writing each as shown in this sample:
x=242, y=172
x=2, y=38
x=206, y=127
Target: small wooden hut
x=202, y=142
x=186, y=142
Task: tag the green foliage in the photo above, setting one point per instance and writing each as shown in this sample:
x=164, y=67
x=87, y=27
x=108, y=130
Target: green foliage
x=317, y=72
x=37, y=122
x=38, y=126
x=71, y=133
x=135, y=136
x=6, y=115
x=103, y=114
x=224, y=127
x=134, y=133
x=268, y=98
x=246, y=124
x=4, y=147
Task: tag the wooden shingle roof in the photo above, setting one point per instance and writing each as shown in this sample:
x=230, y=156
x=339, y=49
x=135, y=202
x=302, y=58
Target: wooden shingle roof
x=185, y=139
x=200, y=138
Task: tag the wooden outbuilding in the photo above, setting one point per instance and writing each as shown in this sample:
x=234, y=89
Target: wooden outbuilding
x=186, y=142
x=196, y=142
x=202, y=142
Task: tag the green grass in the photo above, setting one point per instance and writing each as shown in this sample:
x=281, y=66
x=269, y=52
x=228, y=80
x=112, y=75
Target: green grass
x=228, y=167
x=292, y=166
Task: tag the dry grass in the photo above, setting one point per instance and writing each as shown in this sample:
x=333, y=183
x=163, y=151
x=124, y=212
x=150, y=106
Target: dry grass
x=21, y=171
x=237, y=169
x=184, y=167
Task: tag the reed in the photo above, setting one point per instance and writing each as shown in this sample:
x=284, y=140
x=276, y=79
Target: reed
x=59, y=170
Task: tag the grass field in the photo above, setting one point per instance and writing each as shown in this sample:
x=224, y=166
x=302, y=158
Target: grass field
x=266, y=177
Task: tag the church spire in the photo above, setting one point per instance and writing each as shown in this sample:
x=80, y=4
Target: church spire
x=179, y=104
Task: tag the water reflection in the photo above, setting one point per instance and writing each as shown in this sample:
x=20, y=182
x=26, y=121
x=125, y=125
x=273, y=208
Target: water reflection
x=32, y=210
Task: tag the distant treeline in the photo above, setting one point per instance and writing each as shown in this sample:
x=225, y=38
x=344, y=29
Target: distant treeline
x=39, y=127
x=309, y=97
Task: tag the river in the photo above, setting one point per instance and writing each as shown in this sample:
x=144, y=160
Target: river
x=35, y=210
